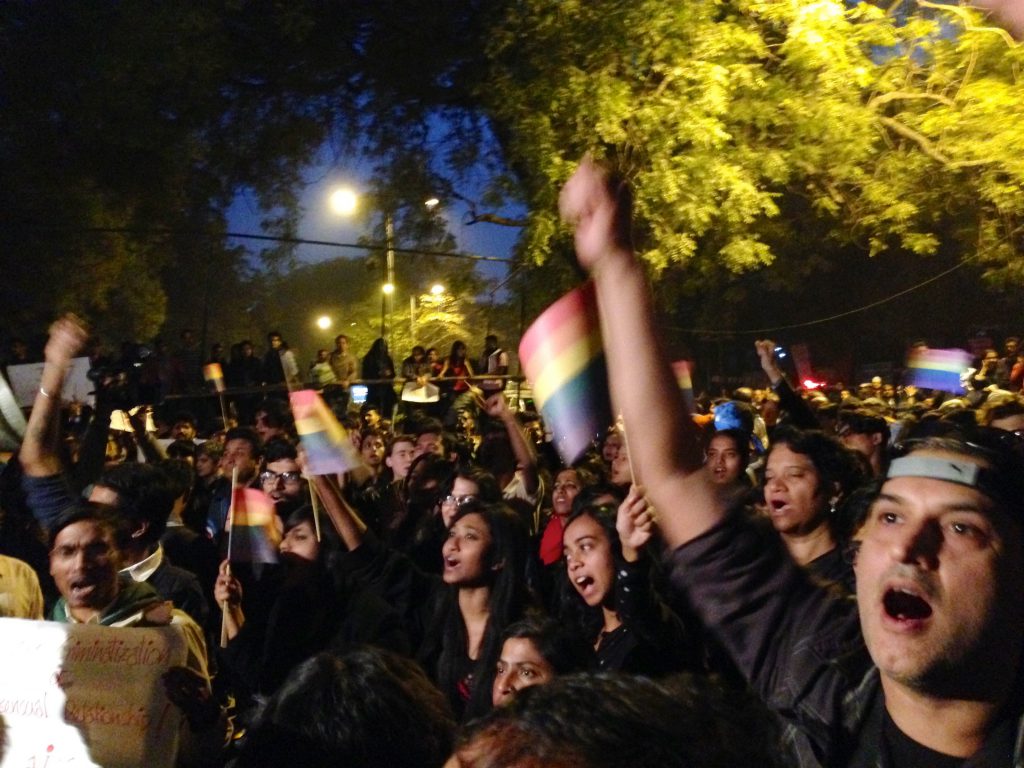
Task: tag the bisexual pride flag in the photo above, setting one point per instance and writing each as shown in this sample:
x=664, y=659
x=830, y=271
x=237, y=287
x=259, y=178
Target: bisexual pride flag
x=253, y=534
x=212, y=372
x=941, y=369
x=326, y=443
x=563, y=358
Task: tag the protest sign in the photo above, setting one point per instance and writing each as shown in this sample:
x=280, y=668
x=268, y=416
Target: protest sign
x=25, y=382
x=87, y=695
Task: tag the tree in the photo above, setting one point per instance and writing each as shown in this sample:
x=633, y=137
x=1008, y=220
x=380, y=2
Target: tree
x=885, y=130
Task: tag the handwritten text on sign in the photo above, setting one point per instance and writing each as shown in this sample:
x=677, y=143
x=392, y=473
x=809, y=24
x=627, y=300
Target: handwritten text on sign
x=84, y=695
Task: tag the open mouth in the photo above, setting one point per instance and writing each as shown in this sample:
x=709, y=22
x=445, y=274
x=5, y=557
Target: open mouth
x=904, y=605
x=450, y=562
x=583, y=582
x=82, y=587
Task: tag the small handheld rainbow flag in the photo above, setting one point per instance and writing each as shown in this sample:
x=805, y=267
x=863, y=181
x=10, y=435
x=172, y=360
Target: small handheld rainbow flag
x=212, y=372
x=326, y=443
x=563, y=357
x=253, y=535
x=683, y=372
x=941, y=369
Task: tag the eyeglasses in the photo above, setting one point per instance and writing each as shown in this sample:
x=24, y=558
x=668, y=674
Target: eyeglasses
x=286, y=477
x=458, y=501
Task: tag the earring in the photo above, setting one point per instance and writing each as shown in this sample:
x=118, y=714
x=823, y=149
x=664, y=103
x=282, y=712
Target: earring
x=832, y=506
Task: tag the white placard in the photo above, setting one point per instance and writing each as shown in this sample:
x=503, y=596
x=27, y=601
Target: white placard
x=25, y=382
x=86, y=695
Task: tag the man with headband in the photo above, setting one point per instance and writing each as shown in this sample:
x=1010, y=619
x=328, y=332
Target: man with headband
x=923, y=668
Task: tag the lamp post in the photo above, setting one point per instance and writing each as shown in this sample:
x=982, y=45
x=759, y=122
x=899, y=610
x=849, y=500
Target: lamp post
x=436, y=290
x=389, y=279
x=344, y=201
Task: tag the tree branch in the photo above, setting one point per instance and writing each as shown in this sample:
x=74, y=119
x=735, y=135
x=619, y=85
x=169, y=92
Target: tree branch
x=920, y=139
x=885, y=98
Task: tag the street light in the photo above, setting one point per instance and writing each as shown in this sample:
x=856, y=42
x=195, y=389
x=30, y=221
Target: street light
x=323, y=322
x=344, y=201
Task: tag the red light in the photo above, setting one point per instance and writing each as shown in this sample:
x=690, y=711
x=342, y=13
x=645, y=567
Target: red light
x=812, y=384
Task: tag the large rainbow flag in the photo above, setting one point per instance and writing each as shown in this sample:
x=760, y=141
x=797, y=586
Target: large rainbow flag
x=326, y=443
x=253, y=534
x=941, y=369
x=563, y=358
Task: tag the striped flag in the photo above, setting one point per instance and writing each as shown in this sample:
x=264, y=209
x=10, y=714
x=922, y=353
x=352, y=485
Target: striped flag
x=326, y=443
x=212, y=372
x=941, y=369
x=563, y=358
x=253, y=534
x=683, y=372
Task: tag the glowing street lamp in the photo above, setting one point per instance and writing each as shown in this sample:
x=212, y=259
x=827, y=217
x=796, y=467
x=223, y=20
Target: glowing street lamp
x=344, y=202
x=323, y=322
x=436, y=289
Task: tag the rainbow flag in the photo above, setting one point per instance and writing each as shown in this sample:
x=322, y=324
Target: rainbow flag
x=326, y=443
x=683, y=372
x=941, y=369
x=212, y=372
x=563, y=358
x=253, y=534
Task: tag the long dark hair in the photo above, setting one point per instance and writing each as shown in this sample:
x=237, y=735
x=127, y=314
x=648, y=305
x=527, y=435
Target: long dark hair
x=572, y=607
x=447, y=641
x=453, y=356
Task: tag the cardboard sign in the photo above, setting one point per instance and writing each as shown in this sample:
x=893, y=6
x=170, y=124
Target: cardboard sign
x=25, y=382
x=12, y=420
x=85, y=695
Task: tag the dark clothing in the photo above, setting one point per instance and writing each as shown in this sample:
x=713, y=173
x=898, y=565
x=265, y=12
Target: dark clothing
x=382, y=394
x=192, y=551
x=428, y=607
x=651, y=640
x=273, y=370
x=183, y=589
x=308, y=614
x=834, y=568
x=245, y=372
x=797, y=412
x=48, y=497
x=798, y=644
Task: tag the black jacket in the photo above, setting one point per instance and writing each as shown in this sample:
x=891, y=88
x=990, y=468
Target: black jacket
x=800, y=646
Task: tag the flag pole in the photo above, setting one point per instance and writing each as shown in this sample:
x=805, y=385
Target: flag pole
x=314, y=501
x=231, y=527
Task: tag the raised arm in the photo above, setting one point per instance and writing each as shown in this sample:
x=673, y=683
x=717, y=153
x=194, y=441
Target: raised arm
x=39, y=451
x=526, y=458
x=799, y=413
x=662, y=438
x=345, y=520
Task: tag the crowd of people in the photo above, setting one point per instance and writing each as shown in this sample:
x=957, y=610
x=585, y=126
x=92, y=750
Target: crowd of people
x=779, y=577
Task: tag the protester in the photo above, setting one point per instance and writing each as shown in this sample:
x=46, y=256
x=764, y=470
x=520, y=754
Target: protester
x=939, y=571
x=607, y=594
